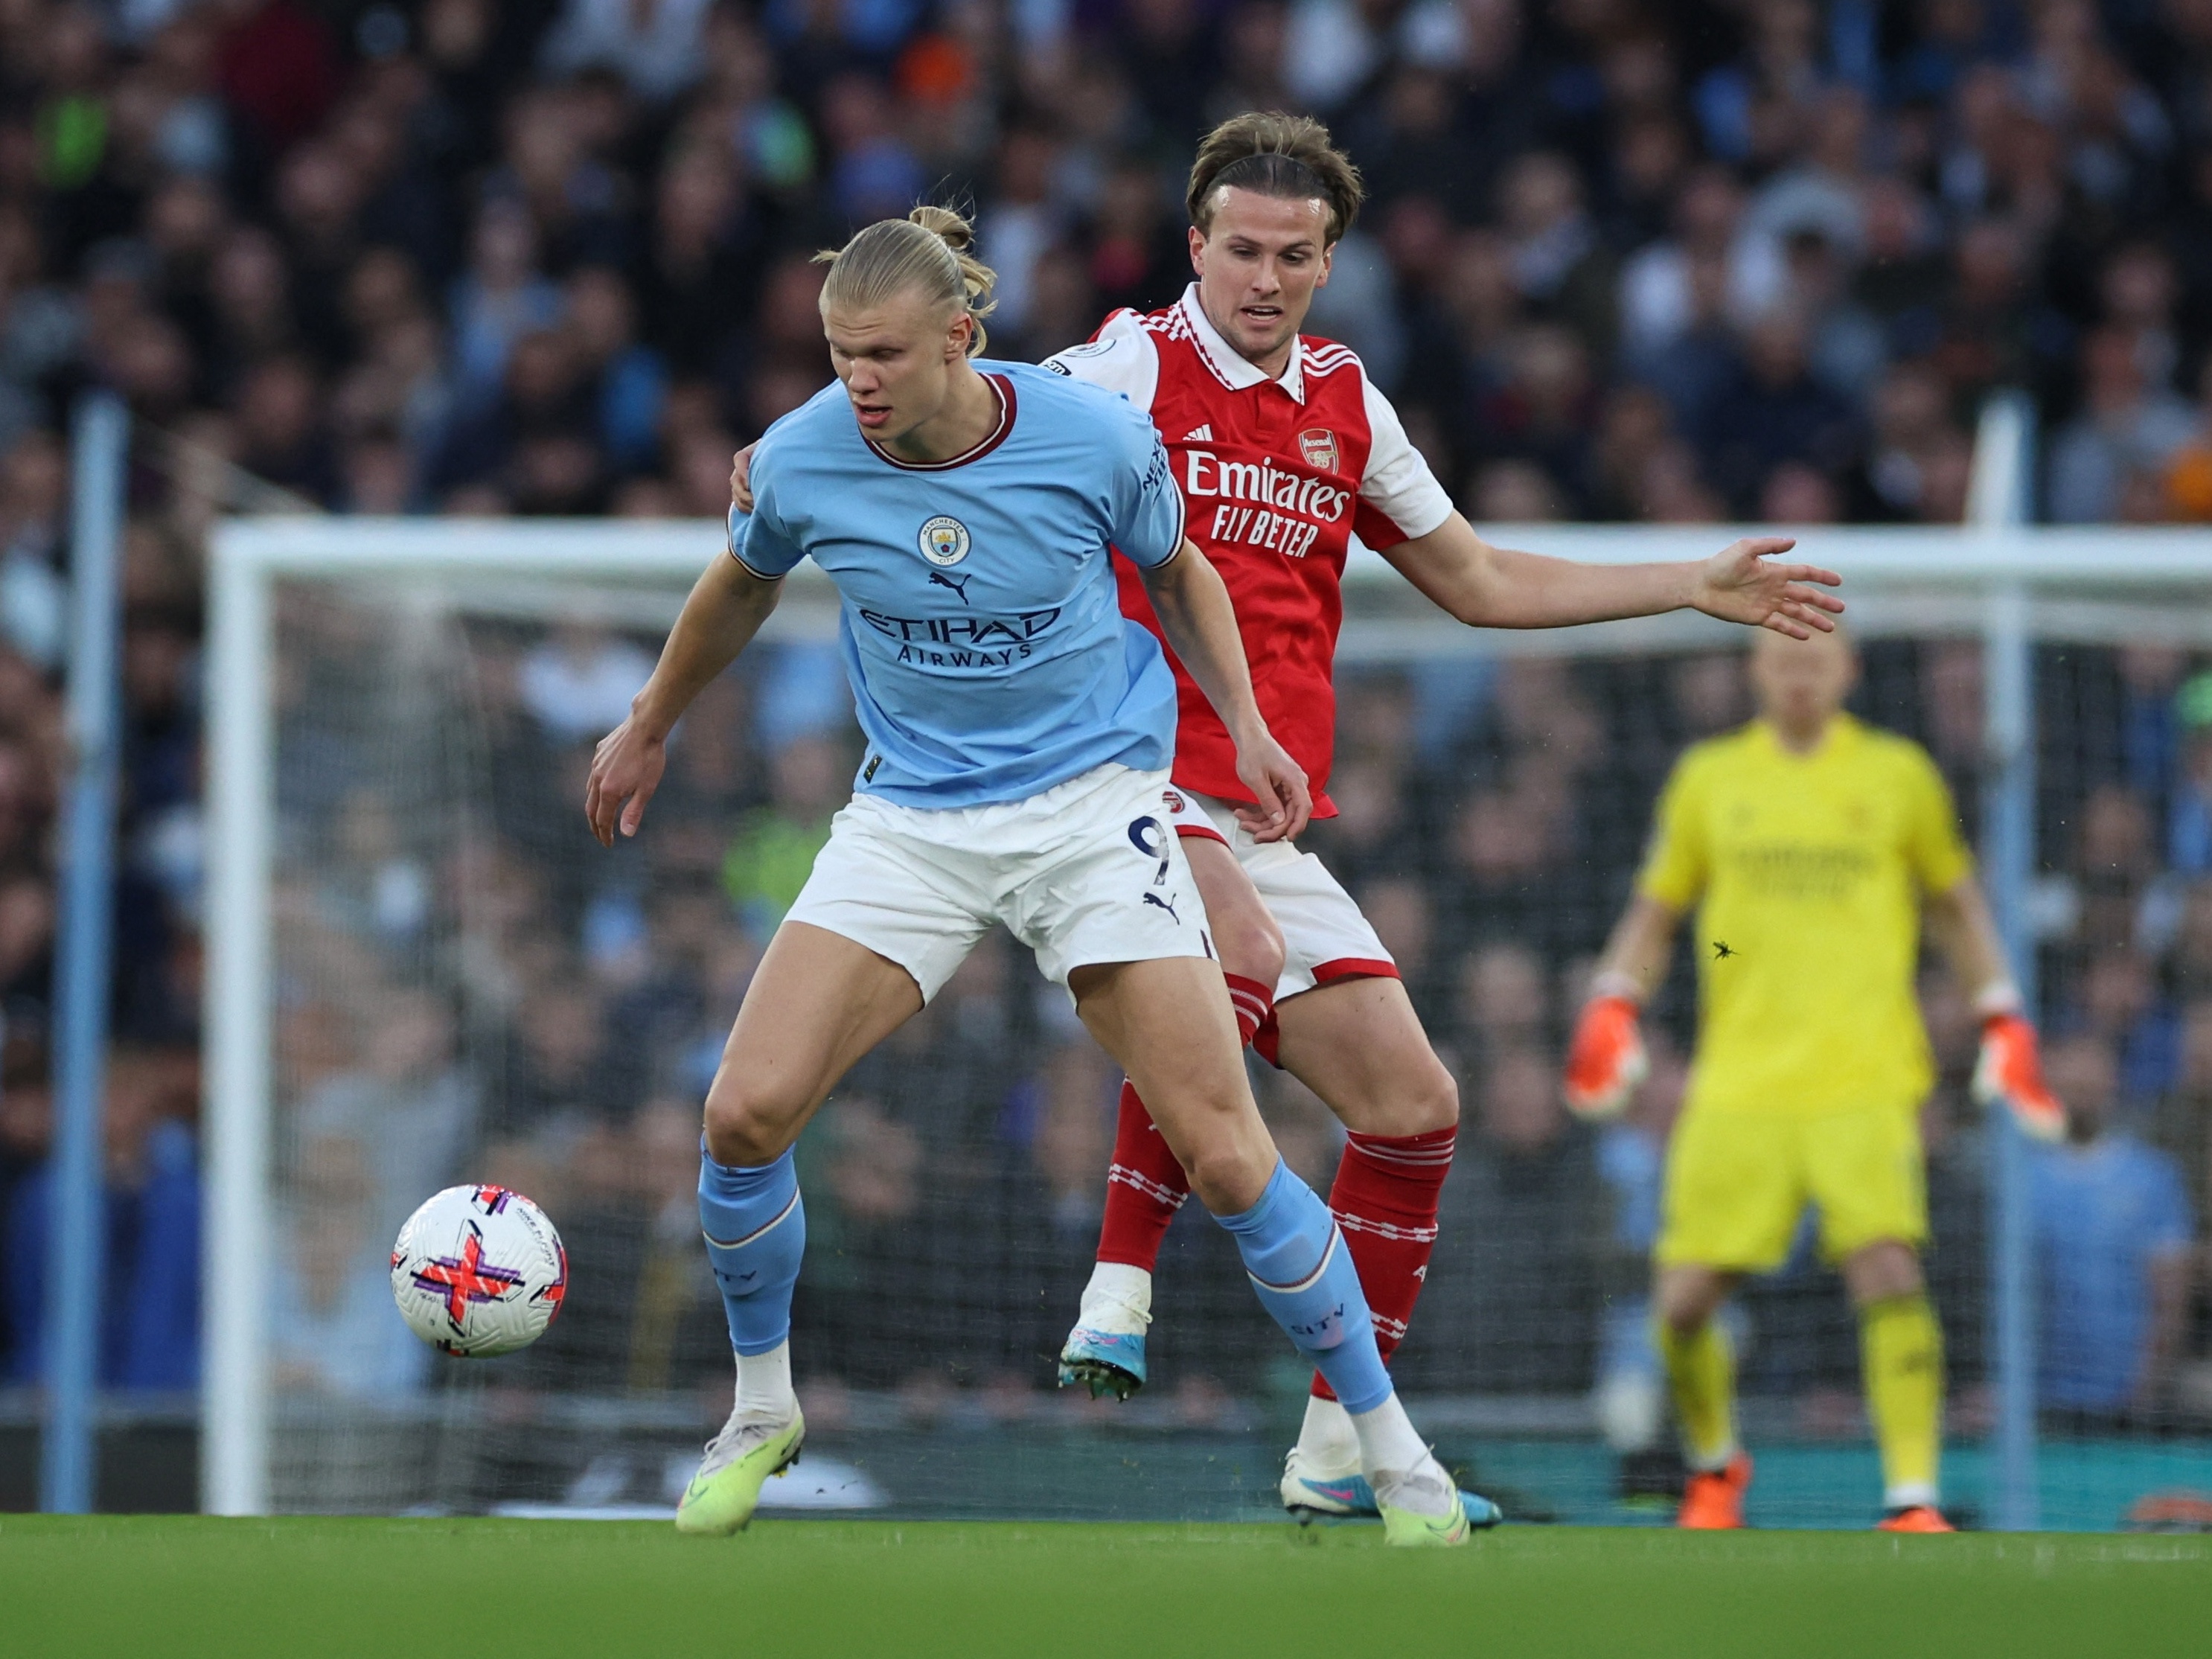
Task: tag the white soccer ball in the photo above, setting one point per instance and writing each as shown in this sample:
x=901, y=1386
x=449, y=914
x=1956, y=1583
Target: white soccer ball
x=478, y=1271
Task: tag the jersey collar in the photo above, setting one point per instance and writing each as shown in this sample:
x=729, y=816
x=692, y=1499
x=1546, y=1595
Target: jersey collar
x=1005, y=390
x=1843, y=730
x=1238, y=373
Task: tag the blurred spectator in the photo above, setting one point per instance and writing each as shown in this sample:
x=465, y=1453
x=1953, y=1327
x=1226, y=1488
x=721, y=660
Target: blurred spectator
x=579, y=683
x=773, y=852
x=2129, y=422
x=655, y=47
x=149, y=1322
x=2113, y=1230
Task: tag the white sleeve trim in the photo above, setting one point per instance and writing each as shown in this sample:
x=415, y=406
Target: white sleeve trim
x=1398, y=483
x=1122, y=358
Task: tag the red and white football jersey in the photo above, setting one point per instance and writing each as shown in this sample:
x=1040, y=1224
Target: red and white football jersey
x=1278, y=474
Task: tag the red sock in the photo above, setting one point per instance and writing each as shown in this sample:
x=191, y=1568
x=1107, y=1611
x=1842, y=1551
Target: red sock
x=1385, y=1200
x=1146, y=1185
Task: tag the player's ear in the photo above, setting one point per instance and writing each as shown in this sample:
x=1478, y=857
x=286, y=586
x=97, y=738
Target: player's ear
x=1327, y=264
x=1197, y=252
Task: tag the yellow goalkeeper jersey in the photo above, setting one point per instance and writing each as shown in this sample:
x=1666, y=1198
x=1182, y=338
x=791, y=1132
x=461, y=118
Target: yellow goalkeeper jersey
x=1806, y=871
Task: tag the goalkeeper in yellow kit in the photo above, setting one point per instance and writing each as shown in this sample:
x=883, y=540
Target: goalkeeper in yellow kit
x=1812, y=846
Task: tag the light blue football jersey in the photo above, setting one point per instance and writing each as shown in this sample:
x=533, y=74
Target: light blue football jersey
x=987, y=651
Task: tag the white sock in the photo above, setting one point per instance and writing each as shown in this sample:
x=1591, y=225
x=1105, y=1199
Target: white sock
x=1387, y=1440
x=1118, y=1300
x=1327, y=1442
x=764, y=1385
x=1911, y=1495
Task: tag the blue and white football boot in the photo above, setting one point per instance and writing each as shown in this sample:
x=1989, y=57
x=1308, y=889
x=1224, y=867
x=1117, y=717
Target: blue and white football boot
x=1312, y=1493
x=1105, y=1352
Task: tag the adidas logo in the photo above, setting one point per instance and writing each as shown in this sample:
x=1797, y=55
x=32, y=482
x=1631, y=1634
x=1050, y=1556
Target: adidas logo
x=1202, y=434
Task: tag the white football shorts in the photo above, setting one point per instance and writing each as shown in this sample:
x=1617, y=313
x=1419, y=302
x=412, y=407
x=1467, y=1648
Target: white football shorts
x=1088, y=871
x=1325, y=936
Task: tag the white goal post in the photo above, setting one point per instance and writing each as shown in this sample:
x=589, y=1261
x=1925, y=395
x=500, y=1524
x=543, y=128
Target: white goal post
x=2011, y=586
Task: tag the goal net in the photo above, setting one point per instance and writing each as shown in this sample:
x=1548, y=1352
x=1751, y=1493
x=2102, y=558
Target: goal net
x=423, y=971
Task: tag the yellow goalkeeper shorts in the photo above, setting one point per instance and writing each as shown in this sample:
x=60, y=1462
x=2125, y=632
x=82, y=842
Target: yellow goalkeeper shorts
x=1737, y=1182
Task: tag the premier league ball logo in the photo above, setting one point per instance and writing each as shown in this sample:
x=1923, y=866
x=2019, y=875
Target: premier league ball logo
x=944, y=541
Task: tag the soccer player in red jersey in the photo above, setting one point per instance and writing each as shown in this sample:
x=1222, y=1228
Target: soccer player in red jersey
x=1284, y=449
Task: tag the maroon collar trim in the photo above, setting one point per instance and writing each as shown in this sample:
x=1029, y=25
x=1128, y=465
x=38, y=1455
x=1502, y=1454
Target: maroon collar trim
x=1005, y=389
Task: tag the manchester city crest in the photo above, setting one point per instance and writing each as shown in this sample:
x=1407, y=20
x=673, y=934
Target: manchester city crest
x=945, y=540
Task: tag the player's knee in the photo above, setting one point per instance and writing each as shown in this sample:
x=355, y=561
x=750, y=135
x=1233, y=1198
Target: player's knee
x=747, y=1126
x=1688, y=1303
x=1883, y=1271
x=1226, y=1170
x=1434, y=1100
x=1251, y=945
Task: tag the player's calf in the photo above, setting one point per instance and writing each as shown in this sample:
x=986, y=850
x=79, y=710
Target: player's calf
x=1146, y=1188
x=1303, y=1272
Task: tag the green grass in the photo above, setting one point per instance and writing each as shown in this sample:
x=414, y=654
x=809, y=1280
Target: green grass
x=155, y=1587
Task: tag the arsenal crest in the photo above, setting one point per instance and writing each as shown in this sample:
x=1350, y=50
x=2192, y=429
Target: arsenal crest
x=1318, y=445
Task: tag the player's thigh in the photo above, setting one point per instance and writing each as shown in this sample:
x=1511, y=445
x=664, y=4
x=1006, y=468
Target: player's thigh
x=1245, y=936
x=1091, y=873
x=883, y=921
x=1869, y=1174
x=1327, y=939
x=1167, y=1022
x=1732, y=1192
x=906, y=884
x=1359, y=1044
x=817, y=1002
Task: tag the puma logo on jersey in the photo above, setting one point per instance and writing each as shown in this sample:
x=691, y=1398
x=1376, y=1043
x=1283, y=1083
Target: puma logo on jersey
x=1202, y=434
x=1167, y=905
x=957, y=584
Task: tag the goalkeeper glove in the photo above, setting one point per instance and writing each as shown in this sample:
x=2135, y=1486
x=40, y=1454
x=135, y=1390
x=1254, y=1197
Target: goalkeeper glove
x=2010, y=1069
x=1606, y=1060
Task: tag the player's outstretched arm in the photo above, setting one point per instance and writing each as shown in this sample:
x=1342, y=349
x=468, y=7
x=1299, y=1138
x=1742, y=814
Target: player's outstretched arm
x=1192, y=603
x=2010, y=1068
x=726, y=607
x=1488, y=586
x=1605, y=1059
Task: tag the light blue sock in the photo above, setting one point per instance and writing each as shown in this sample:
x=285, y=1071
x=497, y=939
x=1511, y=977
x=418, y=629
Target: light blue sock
x=1305, y=1279
x=755, y=1229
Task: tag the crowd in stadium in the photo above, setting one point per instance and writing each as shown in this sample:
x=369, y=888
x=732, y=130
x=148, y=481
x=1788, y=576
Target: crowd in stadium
x=1680, y=262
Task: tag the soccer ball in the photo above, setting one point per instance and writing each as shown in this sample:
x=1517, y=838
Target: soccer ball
x=478, y=1271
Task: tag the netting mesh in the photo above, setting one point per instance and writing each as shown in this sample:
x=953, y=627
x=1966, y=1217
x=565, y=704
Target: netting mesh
x=468, y=987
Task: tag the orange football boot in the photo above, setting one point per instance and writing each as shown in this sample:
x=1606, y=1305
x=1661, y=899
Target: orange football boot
x=1915, y=1517
x=1713, y=1499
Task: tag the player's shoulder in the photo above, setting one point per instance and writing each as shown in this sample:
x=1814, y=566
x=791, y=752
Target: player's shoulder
x=1057, y=398
x=1331, y=360
x=1877, y=747
x=1121, y=357
x=1724, y=751
x=804, y=433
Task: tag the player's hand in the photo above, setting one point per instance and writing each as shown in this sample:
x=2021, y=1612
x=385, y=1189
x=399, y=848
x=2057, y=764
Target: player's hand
x=1278, y=783
x=626, y=770
x=741, y=478
x=1606, y=1060
x=1740, y=584
x=2010, y=1070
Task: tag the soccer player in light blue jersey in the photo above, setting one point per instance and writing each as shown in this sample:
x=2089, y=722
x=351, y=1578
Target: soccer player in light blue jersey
x=1019, y=732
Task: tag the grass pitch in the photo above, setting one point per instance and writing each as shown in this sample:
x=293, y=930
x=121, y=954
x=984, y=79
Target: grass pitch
x=186, y=1586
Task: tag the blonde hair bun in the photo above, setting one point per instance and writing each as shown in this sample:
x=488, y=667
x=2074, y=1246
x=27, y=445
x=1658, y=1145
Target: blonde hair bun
x=928, y=252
